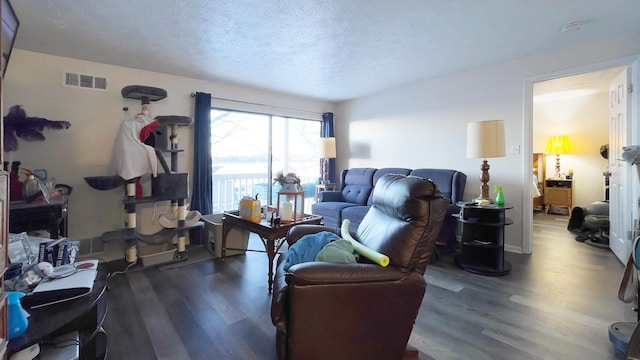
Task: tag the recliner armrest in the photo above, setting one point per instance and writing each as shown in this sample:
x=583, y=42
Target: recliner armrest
x=330, y=196
x=324, y=273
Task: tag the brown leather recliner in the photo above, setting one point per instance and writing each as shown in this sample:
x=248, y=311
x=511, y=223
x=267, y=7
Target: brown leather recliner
x=362, y=311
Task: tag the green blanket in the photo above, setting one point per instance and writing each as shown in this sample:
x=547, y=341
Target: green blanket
x=338, y=251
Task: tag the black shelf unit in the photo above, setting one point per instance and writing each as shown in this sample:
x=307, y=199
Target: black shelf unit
x=482, y=239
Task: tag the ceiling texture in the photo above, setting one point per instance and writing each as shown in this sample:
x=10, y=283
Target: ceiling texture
x=331, y=50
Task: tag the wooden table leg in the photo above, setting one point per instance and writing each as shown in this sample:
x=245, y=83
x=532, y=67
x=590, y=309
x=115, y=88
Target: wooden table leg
x=271, y=254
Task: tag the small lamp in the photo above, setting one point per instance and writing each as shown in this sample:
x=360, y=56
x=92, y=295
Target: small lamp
x=558, y=144
x=327, y=151
x=485, y=139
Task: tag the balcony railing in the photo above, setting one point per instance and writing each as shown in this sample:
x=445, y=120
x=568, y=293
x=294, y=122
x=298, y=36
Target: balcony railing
x=228, y=189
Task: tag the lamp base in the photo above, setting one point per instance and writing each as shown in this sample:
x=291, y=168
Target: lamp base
x=325, y=171
x=484, y=179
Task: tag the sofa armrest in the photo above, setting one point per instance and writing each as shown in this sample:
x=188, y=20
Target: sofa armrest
x=330, y=196
x=458, y=184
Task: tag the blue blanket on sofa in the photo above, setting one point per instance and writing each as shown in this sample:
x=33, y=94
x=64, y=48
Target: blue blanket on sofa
x=307, y=248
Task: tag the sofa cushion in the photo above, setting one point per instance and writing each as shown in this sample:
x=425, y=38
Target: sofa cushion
x=331, y=212
x=447, y=181
x=355, y=214
x=357, y=185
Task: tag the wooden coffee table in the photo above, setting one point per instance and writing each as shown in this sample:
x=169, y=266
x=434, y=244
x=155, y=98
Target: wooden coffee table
x=272, y=236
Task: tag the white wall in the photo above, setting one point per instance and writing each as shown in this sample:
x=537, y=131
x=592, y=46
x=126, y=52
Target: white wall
x=585, y=120
x=34, y=80
x=424, y=124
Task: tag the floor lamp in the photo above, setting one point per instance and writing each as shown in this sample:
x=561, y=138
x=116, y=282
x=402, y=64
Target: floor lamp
x=327, y=151
x=485, y=139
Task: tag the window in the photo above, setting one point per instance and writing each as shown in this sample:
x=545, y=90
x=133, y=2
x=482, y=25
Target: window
x=248, y=150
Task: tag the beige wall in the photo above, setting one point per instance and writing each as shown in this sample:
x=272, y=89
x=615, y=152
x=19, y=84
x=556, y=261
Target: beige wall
x=585, y=120
x=34, y=80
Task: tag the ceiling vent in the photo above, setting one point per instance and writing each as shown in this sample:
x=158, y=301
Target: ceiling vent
x=85, y=81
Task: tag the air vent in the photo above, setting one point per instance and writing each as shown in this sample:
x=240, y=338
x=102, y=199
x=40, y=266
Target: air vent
x=85, y=81
x=100, y=83
x=71, y=79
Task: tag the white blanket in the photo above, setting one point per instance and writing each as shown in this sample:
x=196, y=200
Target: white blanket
x=131, y=157
x=534, y=190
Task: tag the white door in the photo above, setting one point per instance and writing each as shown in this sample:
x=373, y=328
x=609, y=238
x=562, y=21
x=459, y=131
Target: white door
x=620, y=186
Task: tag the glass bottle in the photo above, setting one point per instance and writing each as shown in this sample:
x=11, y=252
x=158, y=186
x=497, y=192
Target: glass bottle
x=31, y=187
x=499, y=196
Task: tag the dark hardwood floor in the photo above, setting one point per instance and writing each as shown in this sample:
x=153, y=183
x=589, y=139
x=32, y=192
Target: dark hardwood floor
x=555, y=304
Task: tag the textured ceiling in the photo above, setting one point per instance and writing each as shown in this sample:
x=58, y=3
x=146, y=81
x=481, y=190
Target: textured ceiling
x=332, y=50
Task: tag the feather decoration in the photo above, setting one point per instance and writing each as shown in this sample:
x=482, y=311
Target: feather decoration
x=18, y=125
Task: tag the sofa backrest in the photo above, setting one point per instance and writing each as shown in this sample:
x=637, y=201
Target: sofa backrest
x=450, y=182
x=383, y=171
x=356, y=184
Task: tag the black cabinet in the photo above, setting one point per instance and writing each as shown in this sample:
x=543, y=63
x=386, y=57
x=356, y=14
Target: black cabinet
x=39, y=215
x=482, y=239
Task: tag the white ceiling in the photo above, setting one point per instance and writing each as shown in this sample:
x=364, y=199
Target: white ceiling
x=331, y=50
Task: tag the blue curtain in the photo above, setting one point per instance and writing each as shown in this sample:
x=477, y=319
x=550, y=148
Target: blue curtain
x=327, y=131
x=202, y=197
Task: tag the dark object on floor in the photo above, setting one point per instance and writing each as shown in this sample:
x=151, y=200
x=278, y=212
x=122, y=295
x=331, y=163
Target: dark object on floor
x=576, y=222
x=362, y=311
x=591, y=224
x=104, y=182
x=582, y=238
x=598, y=227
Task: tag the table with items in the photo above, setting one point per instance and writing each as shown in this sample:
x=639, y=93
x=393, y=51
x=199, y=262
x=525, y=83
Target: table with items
x=272, y=234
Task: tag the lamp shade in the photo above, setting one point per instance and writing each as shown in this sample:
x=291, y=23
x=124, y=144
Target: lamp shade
x=558, y=144
x=485, y=139
x=328, y=147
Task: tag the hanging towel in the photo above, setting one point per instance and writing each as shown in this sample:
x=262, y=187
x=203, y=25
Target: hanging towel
x=132, y=158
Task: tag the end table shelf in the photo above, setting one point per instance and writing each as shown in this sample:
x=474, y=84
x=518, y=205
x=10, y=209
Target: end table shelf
x=482, y=235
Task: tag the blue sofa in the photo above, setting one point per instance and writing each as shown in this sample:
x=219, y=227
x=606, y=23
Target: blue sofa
x=353, y=197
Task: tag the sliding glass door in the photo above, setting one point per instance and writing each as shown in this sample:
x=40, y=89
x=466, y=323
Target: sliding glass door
x=249, y=149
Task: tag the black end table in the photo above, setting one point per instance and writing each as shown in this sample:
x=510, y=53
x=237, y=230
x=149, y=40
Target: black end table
x=85, y=314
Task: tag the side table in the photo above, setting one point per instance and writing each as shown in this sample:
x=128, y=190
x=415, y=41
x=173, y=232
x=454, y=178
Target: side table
x=85, y=314
x=559, y=192
x=272, y=236
x=324, y=187
x=482, y=248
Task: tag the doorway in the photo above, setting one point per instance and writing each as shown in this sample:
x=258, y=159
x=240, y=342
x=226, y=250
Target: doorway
x=573, y=87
